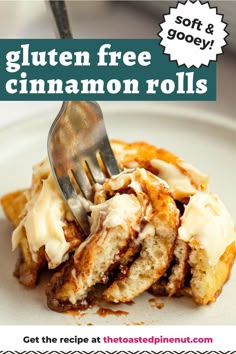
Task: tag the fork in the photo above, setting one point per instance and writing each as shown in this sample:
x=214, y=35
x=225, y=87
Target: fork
x=79, y=150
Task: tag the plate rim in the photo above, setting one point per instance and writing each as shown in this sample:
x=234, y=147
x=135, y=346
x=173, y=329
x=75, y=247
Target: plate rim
x=197, y=115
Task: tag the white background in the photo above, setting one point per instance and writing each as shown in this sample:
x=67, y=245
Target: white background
x=28, y=19
x=12, y=338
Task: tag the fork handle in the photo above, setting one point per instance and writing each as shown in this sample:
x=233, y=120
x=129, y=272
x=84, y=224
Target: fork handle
x=59, y=12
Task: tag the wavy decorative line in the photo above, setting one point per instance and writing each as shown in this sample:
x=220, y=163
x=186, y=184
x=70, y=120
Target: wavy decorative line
x=119, y=352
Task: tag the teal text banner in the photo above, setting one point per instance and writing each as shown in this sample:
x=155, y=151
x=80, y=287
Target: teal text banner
x=99, y=69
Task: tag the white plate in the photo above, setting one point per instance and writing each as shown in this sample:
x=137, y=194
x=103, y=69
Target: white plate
x=206, y=141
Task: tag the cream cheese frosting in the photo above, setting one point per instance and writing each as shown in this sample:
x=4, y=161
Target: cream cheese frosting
x=44, y=220
x=181, y=185
x=119, y=210
x=207, y=220
x=205, y=217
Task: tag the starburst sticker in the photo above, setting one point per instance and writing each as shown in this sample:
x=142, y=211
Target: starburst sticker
x=193, y=34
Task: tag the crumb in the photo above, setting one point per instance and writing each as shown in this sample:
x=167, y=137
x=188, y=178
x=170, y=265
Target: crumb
x=103, y=312
x=156, y=303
